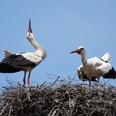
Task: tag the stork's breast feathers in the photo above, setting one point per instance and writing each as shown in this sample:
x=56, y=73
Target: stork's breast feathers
x=84, y=76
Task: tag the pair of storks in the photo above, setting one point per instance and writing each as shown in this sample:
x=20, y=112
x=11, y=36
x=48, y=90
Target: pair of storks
x=91, y=69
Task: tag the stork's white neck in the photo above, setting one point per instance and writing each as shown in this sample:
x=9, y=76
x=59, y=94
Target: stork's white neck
x=83, y=58
x=37, y=46
x=33, y=41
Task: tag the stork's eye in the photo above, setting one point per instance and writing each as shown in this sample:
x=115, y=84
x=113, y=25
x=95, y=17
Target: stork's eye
x=81, y=48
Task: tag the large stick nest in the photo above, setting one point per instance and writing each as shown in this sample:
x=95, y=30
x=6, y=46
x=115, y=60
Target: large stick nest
x=62, y=100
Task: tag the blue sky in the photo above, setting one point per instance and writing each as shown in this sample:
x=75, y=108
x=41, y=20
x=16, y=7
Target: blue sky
x=60, y=26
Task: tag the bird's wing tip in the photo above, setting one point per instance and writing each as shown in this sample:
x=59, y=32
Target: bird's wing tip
x=106, y=57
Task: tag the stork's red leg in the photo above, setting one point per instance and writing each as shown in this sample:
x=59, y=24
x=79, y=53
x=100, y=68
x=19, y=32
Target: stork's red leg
x=28, y=81
x=24, y=79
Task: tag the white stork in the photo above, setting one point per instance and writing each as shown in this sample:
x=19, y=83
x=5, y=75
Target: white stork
x=25, y=61
x=94, y=67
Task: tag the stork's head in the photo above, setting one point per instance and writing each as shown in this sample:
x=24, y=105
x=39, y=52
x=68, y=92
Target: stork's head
x=80, y=50
x=30, y=34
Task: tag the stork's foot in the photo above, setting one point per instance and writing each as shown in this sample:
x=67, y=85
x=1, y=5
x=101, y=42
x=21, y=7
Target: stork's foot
x=97, y=83
x=24, y=82
x=28, y=93
x=24, y=85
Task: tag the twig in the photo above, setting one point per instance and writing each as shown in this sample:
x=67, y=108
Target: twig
x=10, y=110
x=43, y=84
x=4, y=109
x=53, y=111
x=54, y=81
x=106, y=82
x=72, y=79
x=51, y=75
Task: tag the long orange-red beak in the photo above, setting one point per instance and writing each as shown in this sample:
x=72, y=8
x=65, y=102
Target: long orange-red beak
x=75, y=51
x=29, y=28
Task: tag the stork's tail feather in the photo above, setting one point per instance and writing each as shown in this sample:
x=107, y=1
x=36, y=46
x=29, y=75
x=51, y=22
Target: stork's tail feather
x=111, y=74
x=4, y=68
x=114, y=76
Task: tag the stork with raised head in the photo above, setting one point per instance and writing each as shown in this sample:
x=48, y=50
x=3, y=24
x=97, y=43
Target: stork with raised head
x=25, y=61
x=91, y=69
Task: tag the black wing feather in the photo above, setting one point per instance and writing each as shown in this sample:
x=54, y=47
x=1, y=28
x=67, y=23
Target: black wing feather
x=4, y=68
x=17, y=60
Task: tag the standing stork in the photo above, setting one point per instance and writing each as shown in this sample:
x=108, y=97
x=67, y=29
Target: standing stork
x=25, y=61
x=94, y=67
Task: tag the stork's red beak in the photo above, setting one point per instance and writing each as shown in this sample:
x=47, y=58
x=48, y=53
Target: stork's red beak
x=76, y=51
x=29, y=28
